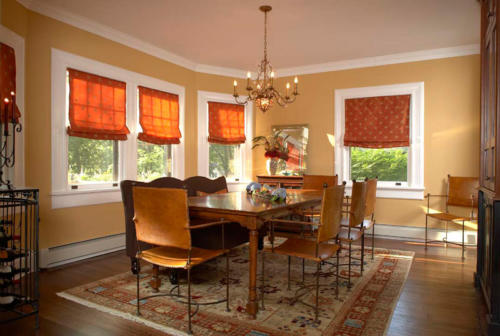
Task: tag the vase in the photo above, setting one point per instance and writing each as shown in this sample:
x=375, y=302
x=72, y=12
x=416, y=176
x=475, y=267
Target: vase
x=272, y=166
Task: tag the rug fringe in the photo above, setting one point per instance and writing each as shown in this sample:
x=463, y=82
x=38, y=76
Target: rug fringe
x=127, y=316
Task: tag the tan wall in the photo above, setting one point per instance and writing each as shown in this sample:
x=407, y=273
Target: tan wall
x=63, y=226
x=451, y=122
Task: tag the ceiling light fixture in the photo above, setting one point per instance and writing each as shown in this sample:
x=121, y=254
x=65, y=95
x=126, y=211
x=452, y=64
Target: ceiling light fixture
x=265, y=94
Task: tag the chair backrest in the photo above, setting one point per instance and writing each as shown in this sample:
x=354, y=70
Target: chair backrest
x=331, y=212
x=198, y=185
x=371, y=196
x=358, y=203
x=318, y=182
x=462, y=191
x=128, y=205
x=161, y=216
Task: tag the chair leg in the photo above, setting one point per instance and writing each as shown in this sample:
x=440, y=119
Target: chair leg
x=373, y=240
x=190, y=332
x=337, y=276
x=227, y=282
x=426, y=219
x=349, y=265
x=362, y=253
x=289, y=261
x=463, y=239
x=137, y=296
x=317, y=292
x=262, y=290
x=303, y=270
x=446, y=234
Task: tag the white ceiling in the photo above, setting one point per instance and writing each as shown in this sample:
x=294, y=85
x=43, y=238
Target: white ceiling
x=229, y=33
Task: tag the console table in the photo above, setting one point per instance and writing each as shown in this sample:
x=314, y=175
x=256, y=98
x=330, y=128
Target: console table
x=281, y=181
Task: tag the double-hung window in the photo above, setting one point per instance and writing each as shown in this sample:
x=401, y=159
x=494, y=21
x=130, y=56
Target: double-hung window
x=379, y=133
x=224, y=143
x=108, y=125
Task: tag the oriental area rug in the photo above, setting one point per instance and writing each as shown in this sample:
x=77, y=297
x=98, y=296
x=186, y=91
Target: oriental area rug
x=365, y=309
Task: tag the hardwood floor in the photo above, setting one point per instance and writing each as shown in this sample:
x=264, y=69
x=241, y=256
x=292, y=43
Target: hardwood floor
x=437, y=299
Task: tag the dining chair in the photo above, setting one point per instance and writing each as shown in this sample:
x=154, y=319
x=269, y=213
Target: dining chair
x=462, y=192
x=317, y=249
x=161, y=219
x=318, y=182
x=352, y=228
x=369, y=220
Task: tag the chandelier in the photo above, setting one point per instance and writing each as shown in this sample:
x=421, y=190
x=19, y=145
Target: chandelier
x=264, y=93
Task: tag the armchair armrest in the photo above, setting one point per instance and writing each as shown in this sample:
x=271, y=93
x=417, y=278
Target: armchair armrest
x=205, y=225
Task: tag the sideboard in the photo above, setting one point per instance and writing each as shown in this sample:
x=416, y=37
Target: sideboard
x=281, y=181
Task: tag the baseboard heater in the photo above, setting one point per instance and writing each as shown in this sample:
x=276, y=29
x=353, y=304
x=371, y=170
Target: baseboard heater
x=64, y=254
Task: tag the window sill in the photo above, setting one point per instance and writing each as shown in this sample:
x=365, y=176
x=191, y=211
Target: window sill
x=416, y=193
x=75, y=198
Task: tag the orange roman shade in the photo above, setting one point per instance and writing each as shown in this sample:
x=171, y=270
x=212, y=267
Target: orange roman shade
x=159, y=117
x=226, y=123
x=377, y=122
x=97, y=107
x=8, y=84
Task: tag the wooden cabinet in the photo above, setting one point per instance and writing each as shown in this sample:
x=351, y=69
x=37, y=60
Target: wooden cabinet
x=487, y=276
x=281, y=181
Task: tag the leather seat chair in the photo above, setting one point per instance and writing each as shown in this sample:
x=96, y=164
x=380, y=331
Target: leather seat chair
x=318, y=249
x=162, y=220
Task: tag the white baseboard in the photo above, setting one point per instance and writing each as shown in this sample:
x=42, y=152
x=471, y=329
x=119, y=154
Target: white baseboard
x=418, y=233
x=60, y=255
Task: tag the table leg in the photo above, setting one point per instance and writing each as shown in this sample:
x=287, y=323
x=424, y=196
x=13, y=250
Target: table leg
x=252, y=305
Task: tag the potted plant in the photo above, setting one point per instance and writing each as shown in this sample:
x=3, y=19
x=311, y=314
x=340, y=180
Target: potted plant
x=275, y=147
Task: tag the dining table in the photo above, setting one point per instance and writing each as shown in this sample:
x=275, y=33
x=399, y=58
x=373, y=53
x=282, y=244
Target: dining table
x=252, y=212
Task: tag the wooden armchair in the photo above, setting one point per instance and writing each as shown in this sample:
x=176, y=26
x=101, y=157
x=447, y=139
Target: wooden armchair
x=318, y=249
x=161, y=219
x=462, y=192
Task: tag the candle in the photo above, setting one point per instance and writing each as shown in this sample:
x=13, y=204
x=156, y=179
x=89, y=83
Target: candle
x=13, y=108
x=235, y=83
x=249, y=75
x=287, y=89
x=6, y=112
x=272, y=78
x=296, y=81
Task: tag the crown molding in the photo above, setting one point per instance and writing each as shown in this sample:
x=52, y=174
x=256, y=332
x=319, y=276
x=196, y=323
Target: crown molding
x=135, y=43
x=414, y=56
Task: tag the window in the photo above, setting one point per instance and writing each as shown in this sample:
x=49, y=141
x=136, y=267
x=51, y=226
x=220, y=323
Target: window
x=226, y=152
x=399, y=167
x=153, y=161
x=225, y=160
x=88, y=163
x=387, y=164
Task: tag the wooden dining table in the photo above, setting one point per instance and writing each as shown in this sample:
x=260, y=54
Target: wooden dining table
x=251, y=212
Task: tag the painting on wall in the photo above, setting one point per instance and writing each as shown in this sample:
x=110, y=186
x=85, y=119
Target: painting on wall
x=295, y=138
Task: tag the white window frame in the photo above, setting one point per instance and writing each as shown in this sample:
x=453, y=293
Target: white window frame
x=203, y=150
x=62, y=194
x=414, y=188
x=16, y=175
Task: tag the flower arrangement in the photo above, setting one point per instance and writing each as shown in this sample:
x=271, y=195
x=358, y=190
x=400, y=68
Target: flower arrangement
x=275, y=145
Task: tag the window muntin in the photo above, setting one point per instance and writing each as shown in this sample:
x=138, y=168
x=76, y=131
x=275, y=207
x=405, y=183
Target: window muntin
x=153, y=161
x=225, y=160
x=387, y=164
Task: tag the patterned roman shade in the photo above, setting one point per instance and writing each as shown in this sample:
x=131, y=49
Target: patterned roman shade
x=97, y=107
x=226, y=123
x=159, y=117
x=377, y=122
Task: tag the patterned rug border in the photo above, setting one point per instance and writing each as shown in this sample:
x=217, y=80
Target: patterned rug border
x=175, y=332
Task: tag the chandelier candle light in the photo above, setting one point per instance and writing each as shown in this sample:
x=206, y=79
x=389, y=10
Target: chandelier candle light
x=265, y=94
